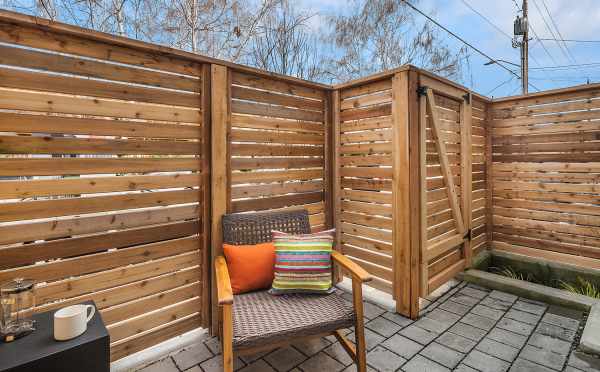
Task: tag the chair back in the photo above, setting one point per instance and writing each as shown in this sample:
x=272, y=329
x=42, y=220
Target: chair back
x=255, y=228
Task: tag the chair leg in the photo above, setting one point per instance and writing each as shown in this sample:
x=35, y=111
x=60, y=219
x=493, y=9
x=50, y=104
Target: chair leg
x=227, y=339
x=359, y=327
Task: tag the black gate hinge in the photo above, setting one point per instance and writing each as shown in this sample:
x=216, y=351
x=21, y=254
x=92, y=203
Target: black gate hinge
x=468, y=235
x=422, y=90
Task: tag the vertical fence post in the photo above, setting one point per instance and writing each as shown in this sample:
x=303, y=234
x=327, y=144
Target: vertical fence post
x=405, y=181
x=466, y=174
x=205, y=213
x=333, y=106
x=489, y=222
x=220, y=107
x=424, y=260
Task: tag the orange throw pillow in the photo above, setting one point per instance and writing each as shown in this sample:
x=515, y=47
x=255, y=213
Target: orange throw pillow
x=250, y=266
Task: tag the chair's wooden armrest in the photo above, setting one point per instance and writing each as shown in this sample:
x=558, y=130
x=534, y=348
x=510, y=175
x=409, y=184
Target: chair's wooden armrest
x=354, y=269
x=224, y=292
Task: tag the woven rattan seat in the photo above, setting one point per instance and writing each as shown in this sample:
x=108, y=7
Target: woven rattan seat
x=260, y=317
x=255, y=228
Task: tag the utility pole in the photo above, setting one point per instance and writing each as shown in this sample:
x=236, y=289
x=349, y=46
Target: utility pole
x=525, y=51
x=522, y=29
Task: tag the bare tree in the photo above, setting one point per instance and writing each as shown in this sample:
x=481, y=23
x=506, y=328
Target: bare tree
x=382, y=34
x=47, y=9
x=286, y=44
x=218, y=28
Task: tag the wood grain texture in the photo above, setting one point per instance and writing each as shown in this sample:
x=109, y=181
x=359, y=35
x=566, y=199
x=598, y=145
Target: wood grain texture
x=544, y=176
x=102, y=181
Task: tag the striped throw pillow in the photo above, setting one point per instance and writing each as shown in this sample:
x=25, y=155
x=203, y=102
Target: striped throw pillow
x=302, y=262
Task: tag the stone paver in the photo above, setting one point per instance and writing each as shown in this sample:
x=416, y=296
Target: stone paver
x=530, y=307
x=421, y=364
x=516, y=326
x=468, y=329
x=321, y=362
x=398, y=319
x=444, y=317
x=418, y=334
x=543, y=357
x=507, y=297
x=285, y=359
x=507, y=337
x=337, y=352
x=442, y=354
x=312, y=346
x=496, y=303
x=497, y=349
x=522, y=365
x=455, y=307
x=215, y=364
x=487, y=312
x=545, y=342
x=165, y=365
x=402, y=346
x=478, y=321
x=456, y=342
x=381, y=359
x=522, y=316
x=372, y=339
x=257, y=366
x=556, y=331
x=191, y=356
x=383, y=326
x=485, y=362
x=561, y=321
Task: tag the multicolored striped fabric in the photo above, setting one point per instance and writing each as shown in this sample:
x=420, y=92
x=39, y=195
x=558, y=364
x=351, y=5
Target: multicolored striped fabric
x=302, y=262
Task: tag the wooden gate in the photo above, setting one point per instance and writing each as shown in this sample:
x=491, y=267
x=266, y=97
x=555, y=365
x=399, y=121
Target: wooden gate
x=446, y=182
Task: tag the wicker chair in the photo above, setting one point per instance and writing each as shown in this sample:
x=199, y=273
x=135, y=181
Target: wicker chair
x=257, y=321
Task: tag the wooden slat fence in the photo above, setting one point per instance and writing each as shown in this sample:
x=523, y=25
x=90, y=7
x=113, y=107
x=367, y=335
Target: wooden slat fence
x=479, y=196
x=101, y=190
x=453, y=156
x=269, y=148
x=365, y=178
x=277, y=146
x=439, y=218
x=546, y=175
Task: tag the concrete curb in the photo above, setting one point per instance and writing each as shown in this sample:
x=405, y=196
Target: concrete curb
x=590, y=339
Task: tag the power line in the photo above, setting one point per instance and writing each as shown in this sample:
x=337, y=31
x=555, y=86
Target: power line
x=463, y=40
x=558, y=31
x=499, y=85
x=572, y=40
x=542, y=44
x=569, y=67
x=550, y=30
x=536, y=37
x=498, y=28
x=486, y=19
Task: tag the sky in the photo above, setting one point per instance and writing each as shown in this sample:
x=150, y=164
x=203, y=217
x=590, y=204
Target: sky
x=574, y=19
x=579, y=20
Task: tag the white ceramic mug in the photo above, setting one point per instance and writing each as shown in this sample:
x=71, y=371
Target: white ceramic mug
x=71, y=321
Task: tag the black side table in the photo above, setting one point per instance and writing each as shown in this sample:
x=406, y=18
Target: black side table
x=40, y=352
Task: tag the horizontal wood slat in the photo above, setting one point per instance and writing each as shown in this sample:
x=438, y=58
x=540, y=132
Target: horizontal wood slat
x=545, y=176
x=102, y=181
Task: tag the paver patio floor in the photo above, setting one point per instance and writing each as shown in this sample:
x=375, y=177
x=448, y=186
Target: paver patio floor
x=468, y=329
